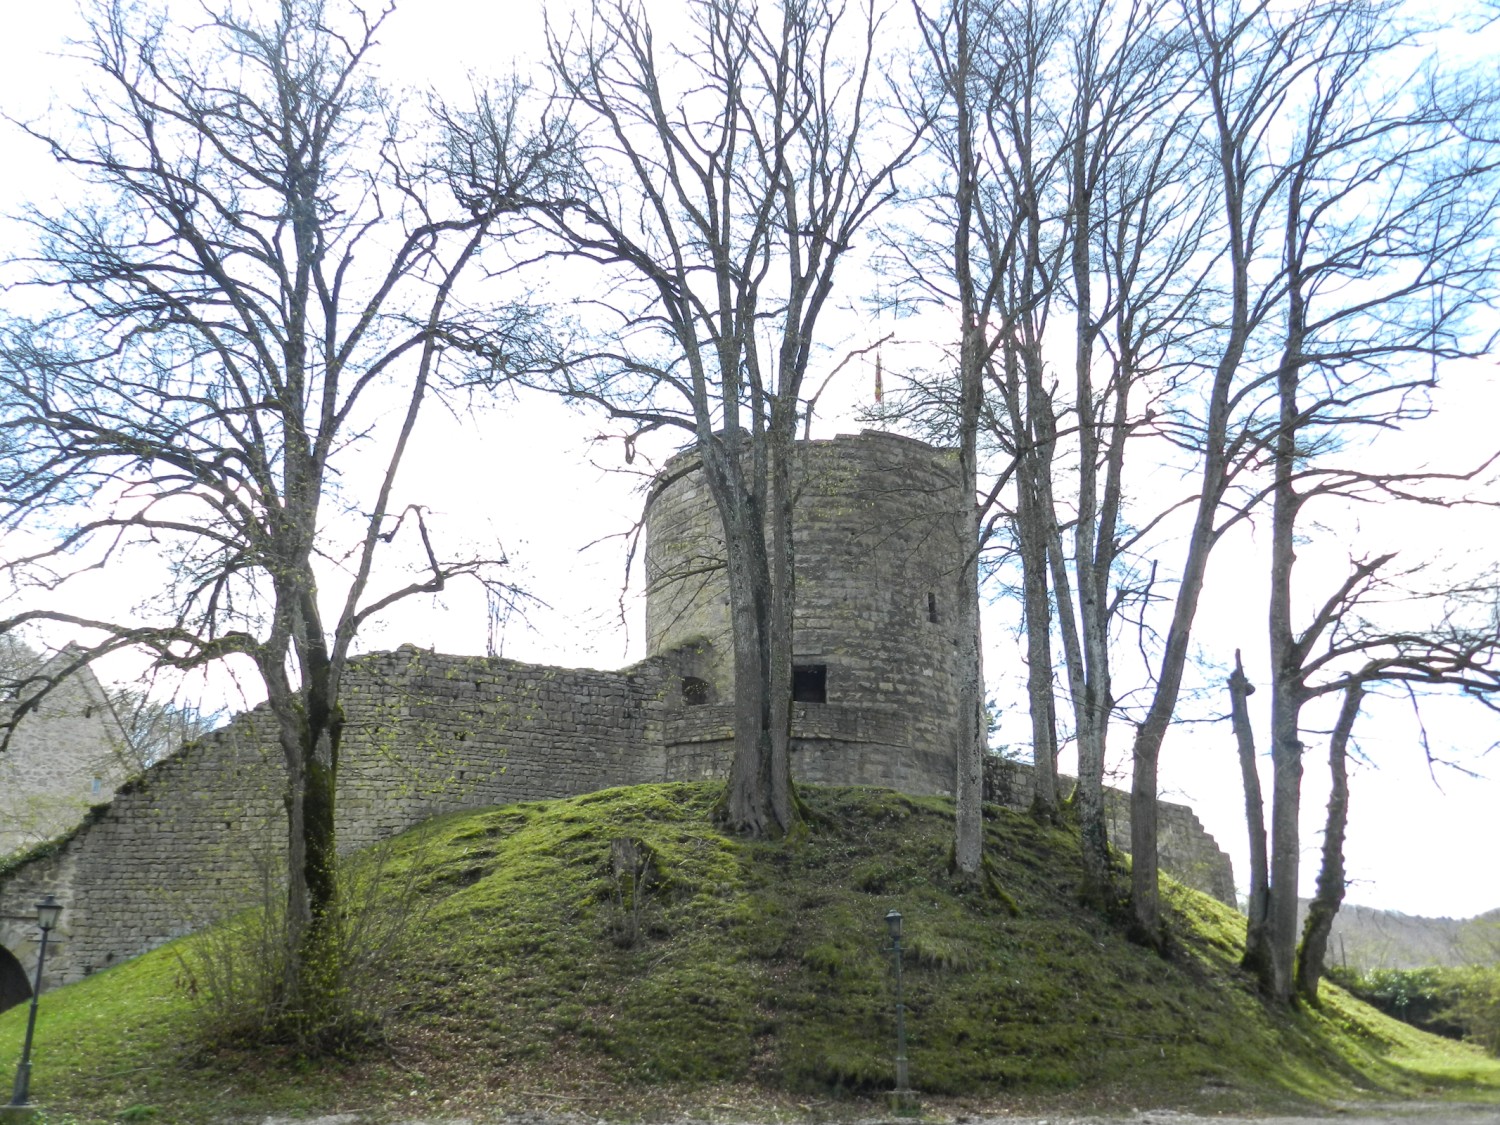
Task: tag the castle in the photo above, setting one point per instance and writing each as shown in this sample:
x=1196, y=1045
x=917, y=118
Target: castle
x=878, y=535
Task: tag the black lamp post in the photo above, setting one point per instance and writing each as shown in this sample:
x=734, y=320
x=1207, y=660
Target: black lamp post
x=46, y=916
x=903, y=1088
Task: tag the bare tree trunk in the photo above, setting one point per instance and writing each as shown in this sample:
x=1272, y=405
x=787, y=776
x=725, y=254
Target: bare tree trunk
x=309, y=737
x=1152, y=730
x=1287, y=685
x=314, y=950
x=1088, y=798
x=1090, y=677
x=1031, y=545
x=755, y=501
x=1286, y=803
x=1285, y=864
x=749, y=805
x=968, y=782
x=968, y=843
x=1330, y=896
x=1089, y=731
x=310, y=728
x=1039, y=687
x=298, y=912
x=1256, y=938
x=778, y=669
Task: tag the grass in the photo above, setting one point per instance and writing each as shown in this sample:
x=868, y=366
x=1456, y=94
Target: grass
x=758, y=979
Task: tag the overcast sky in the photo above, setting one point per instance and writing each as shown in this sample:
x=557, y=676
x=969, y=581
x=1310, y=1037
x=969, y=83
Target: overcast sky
x=530, y=476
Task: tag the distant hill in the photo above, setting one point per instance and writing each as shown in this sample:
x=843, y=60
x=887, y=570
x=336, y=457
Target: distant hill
x=1366, y=938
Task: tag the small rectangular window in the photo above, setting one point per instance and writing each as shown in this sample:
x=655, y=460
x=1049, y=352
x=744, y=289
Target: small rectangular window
x=810, y=683
x=932, y=607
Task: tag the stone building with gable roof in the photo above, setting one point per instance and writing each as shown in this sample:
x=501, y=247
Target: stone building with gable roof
x=64, y=758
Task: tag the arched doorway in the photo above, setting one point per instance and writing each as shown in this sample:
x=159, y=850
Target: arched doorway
x=14, y=987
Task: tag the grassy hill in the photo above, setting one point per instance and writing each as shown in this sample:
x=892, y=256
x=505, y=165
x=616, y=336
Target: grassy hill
x=756, y=978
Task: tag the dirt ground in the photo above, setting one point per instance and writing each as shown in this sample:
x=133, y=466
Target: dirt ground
x=1403, y=1113
x=1406, y=1112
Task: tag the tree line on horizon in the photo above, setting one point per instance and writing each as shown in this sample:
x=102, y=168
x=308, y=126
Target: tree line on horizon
x=1251, y=234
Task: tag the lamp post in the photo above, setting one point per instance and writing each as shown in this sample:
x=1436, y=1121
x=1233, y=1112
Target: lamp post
x=902, y=1094
x=47, y=912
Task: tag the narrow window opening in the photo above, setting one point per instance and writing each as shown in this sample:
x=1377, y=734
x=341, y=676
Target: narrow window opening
x=932, y=607
x=694, y=691
x=810, y=683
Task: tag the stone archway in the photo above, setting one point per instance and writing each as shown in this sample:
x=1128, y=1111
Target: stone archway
x=14, y=987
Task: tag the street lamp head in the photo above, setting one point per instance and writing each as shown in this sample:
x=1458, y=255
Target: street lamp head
x=893, y=923
x=47, y=912
x=46, y=916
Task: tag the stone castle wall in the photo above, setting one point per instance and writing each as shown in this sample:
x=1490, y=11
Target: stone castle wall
x=879, y=539
x=429, y=733
x=63, y=757
x=187, y=839
x=1185, y=850
x=833, y=744
x=198, y=834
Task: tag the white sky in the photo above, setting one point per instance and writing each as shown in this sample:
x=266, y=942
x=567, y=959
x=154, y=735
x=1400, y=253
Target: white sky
x=528, y=476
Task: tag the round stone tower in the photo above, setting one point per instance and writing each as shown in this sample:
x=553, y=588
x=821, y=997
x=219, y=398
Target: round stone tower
x=879, y=537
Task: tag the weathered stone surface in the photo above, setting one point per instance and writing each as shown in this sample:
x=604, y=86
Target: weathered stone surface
x=1186, y=851
x=201, y=832
x=63, y=757
x=878, y=535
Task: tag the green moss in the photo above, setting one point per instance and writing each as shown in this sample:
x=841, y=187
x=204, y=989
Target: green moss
x=760, y=963
x=16, y=860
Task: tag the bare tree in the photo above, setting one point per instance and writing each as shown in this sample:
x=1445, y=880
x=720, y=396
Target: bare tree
x=725, y=178
x=976, y=305
x=156, y=728
x=1066, y=139
x=249, y=311
x=1349, y=649
x=955, y=261
x=1136, y=213
x=1386, y=250
x=1325, y=903
x=1354, y=240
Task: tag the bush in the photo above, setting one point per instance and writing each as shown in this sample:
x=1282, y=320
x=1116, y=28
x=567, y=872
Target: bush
x=1476, y=1005
x=1460, y=1003
x=236, y=971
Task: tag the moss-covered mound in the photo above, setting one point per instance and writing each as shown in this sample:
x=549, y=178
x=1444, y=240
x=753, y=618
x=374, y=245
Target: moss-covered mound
x=616, y=948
